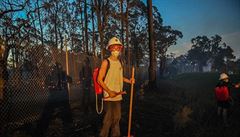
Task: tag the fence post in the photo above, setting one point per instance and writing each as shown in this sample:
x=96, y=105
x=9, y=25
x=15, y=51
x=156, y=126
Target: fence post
x=67, y=67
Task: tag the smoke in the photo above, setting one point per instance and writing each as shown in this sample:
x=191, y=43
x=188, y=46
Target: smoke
x=180, y=49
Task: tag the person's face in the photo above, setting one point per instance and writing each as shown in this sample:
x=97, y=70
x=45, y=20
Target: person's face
x=226, y=80
x=116, y=48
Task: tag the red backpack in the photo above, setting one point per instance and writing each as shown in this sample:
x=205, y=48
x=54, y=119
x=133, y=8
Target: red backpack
x=98, y=88
x=222, y=93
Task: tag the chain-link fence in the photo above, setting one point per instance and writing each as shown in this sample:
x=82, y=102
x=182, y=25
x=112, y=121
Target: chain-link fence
x=22, y=82
x=23, y=90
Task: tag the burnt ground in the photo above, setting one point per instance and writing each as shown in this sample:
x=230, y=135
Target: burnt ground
x=181, y=107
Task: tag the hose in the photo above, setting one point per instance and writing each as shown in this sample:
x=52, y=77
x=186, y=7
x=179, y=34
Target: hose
x=97, y=109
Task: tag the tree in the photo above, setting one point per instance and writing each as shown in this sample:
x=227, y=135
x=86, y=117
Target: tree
x=165, y=37
x=102, y=12
x=199, y=53
x=86, y=25
x=127, y=37
x=205, y=49
x=45, y=23
x=137, y=20
x=152, y=49
x=10, y=7
x=93, y=29
x=40, y=21
x=182, y=64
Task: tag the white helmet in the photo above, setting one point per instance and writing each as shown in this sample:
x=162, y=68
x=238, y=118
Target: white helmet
x=113, y=41
x=223, y=76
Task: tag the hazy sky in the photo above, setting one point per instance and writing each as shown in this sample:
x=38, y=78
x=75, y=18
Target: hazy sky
x=202, y=17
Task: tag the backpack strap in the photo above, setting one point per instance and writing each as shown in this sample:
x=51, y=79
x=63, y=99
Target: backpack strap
x=108, y=66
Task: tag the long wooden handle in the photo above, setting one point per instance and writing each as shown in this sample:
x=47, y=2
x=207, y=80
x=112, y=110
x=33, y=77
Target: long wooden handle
x=130, y=107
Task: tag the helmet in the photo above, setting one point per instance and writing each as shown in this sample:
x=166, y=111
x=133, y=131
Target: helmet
x=113, y=41
x=223, y=76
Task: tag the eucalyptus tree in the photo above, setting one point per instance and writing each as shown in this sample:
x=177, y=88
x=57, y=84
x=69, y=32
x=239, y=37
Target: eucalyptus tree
x=213, y=49
x=152, y=48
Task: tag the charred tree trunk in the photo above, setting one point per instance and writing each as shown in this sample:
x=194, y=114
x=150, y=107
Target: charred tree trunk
x=127, y=41
x=153, y=63
x=55, y=29
x=61, y=40
x=100, y=27
x=93, y=31
x=40, y=22
x=101, y=12
x=86, y=25
x=3, y=68
x=83, y=37
x=122, y=21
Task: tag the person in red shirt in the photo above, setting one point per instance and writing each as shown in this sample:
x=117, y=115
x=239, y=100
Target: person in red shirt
x=223, y=96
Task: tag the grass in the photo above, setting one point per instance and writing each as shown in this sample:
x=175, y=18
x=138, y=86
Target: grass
x=198, y=90
x=187, y=104
x=181, y=107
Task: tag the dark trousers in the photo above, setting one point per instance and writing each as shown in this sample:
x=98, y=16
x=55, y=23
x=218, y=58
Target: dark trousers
x=111, y=119
x=59, y=100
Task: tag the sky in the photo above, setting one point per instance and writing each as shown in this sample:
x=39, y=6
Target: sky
x=202, y=17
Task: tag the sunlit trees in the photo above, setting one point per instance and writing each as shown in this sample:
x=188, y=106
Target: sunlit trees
x=43, y=24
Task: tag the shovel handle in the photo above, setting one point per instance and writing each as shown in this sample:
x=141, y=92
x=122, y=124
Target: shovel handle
x=130, y=107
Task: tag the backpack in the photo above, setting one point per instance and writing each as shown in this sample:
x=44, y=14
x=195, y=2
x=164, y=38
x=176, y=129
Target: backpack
x=222, y=93
x=97, y=87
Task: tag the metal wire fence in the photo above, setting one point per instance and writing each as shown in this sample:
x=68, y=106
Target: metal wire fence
x=23, y=91
x=22, y=86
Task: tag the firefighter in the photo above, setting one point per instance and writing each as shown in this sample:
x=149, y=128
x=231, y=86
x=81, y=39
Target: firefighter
x=223, y=97
x=112, y=83
x=58, y=98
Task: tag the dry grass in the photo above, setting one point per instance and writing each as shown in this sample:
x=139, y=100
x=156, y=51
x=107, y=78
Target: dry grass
x=182, y=118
